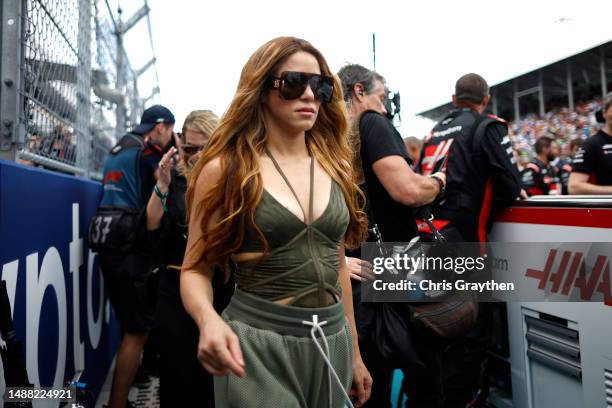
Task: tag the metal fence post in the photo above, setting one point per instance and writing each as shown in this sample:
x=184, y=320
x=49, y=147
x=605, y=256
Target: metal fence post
x=83, y=129
x=541, y=102
x=122, y=65
x=515, y=98
x=120, y=84
x=10, y=50
x=570, y=85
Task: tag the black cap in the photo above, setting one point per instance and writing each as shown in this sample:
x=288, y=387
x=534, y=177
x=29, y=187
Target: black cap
x=151, y=117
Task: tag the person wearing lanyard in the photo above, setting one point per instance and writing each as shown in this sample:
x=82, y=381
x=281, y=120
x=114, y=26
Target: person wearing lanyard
x=383, y=169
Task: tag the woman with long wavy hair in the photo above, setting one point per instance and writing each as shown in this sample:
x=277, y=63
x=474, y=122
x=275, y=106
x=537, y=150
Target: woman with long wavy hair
x=274, y=194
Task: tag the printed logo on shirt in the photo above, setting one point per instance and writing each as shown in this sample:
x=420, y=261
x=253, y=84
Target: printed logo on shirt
x=434, y=154
x=113, y=177
x=446, y=132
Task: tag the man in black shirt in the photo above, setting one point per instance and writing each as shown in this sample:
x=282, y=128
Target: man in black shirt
x=540, y=177
x=592, y=169
x=392, y=190
x=392, y=187
x=384, y=156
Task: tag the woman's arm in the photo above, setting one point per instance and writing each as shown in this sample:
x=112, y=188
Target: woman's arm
x=347, y=298
x=155, y=209
x=218, y=348
x=362, y=381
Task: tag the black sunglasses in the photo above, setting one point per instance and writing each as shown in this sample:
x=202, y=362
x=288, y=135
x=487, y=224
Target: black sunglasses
x=190, y=149
x=292, y=84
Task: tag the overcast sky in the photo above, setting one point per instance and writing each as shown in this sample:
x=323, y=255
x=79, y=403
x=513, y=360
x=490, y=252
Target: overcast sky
x=421, y=47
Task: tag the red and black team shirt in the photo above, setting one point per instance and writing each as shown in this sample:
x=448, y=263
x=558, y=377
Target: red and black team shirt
x=595, y=159
x=476, y=154
x=564, y=169
x=539, y=178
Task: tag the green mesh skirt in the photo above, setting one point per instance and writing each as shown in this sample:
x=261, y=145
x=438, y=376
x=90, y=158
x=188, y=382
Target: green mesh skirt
x=287, y=353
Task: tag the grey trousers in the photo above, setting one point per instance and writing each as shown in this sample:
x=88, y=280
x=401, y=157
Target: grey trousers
x=284, y=367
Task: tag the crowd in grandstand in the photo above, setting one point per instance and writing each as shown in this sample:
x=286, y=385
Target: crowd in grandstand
x=562, y=125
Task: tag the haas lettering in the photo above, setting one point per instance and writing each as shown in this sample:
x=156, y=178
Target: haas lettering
x=571, y=273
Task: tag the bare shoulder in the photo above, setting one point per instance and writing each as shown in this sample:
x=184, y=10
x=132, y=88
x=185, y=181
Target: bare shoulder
x=213, y=168
x=211, y=172
x=209, y=175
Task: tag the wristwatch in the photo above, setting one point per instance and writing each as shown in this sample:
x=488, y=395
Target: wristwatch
x=440, y=184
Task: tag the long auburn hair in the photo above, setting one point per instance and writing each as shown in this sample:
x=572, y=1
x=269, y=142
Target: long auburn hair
x=240, y=140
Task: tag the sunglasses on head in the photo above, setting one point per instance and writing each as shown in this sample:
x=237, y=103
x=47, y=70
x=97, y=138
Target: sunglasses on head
x=292, y=84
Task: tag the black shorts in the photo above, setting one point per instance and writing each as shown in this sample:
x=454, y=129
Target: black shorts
x=131, y=289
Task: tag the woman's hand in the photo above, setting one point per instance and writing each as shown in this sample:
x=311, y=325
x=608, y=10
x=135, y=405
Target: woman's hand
x=166, y=164
x=362, y=383
x=219, y=349
x=359, y=269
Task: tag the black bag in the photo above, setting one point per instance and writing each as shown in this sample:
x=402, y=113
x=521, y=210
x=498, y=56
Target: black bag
x=444, y=321
x=391, y=334
x=113, y=230
x=385, y=326
x=439, y=323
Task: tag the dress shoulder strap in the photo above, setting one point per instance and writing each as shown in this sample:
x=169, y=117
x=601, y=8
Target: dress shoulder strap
x=310, y=197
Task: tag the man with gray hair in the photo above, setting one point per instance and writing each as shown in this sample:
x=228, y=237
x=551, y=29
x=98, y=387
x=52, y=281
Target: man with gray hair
x=393, y=189
x=475, y=153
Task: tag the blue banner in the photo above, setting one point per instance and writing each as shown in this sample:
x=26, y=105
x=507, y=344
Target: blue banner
x=61, y=311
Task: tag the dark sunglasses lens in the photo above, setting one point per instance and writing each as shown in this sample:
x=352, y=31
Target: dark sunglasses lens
x=190, y=149
x=323, y=88
x=294, y=85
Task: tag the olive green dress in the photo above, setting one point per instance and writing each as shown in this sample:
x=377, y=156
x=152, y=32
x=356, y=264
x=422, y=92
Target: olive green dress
x=285, y=347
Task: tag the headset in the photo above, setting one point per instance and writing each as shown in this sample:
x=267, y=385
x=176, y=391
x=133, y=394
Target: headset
x=392, y=104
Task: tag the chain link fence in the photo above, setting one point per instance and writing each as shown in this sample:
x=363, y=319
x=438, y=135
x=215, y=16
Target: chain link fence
x=76, y=90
